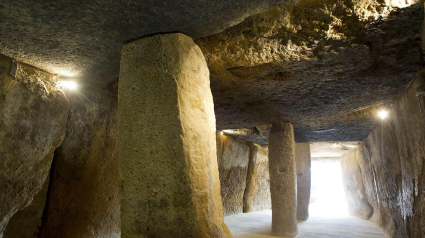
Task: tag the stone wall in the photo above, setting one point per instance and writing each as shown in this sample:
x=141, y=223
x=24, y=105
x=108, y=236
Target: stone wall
x=83, y=195
x=232, y=160
x=257, y=192
x=391, y=163
x=27, y=222
x=33, y=114
x=352, y=179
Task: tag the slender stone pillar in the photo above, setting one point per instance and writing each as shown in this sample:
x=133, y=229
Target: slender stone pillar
x=168, y=162
x=303, y=164
x=283, y=180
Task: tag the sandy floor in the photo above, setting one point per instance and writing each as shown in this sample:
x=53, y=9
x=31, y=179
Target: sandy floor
x=257, y=225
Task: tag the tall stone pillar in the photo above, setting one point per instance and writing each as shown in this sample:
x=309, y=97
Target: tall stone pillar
x=303, y=164
x=283, y=180
x=168, y=165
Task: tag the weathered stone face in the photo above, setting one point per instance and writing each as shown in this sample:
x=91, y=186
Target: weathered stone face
x=27, y=222
x=391, y=164
x=33, y=114
x=352, y=179
x=168, y=163
x=257, y=192
x=83, y=199
x=303, y=165
x=232, y=158
x=319, y=64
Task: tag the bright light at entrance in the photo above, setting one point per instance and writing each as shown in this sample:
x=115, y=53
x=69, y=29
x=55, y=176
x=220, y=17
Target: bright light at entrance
x=327, y=194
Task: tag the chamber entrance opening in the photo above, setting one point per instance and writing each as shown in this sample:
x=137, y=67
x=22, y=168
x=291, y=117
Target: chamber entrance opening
x=327, y=197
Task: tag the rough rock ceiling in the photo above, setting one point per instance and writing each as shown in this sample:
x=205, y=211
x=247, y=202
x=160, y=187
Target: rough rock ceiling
x=83, y=39
x=323, y=65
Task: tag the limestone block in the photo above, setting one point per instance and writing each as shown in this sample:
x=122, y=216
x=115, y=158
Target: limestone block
x=27, y=222
x=303, y=165
x=257, y=192
x=168, y=164
x=353, y=186
x=232, y=159
x=83, y=196
x=283, y=180
x=33, y=114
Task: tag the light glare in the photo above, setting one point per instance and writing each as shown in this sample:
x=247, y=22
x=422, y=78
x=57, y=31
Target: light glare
x=383, y=114
x=68, y=85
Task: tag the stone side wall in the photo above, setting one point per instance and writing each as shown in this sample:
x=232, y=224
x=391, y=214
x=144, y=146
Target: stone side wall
x=257, y=192
x=352, y=179
x=27, y=222
x=391, y=162
x=232, y=160
x=33, y=114
x=83, y=195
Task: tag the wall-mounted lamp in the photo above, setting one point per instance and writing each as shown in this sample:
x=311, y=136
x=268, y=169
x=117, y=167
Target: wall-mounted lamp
x=68, y=85
x=383, y=114
x=420, y=93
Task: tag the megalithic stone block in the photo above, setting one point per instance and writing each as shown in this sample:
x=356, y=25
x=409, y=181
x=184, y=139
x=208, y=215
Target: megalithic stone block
x=170, y=185
x=283, y=180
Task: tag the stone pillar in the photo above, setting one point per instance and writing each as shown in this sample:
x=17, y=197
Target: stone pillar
x=283, y=181
x=303, y=164
x=168, y=162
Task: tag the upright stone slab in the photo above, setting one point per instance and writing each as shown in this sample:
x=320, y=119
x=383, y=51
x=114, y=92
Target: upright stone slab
x=233, y=160
x=303, y=164
x=168, y=162
x=283, y=180
x=257, y=192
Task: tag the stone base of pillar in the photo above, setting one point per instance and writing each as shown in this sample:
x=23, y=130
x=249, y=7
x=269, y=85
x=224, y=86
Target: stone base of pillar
x=283, y=181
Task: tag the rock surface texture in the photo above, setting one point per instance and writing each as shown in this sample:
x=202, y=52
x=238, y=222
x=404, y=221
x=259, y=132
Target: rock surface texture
x=276, y=64
x=392, y=169
x=303, y=165
x=257, y=192
x=168, y=163
x=352, y=178
x=283, y=180
x=83, y=199
x=84, y=38
x=33, y=114
x=27, y=222
x=320, y=64
x=232, y=160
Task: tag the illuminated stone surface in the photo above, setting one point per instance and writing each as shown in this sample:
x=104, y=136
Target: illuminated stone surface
x=168, y=164
x=33, y=114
